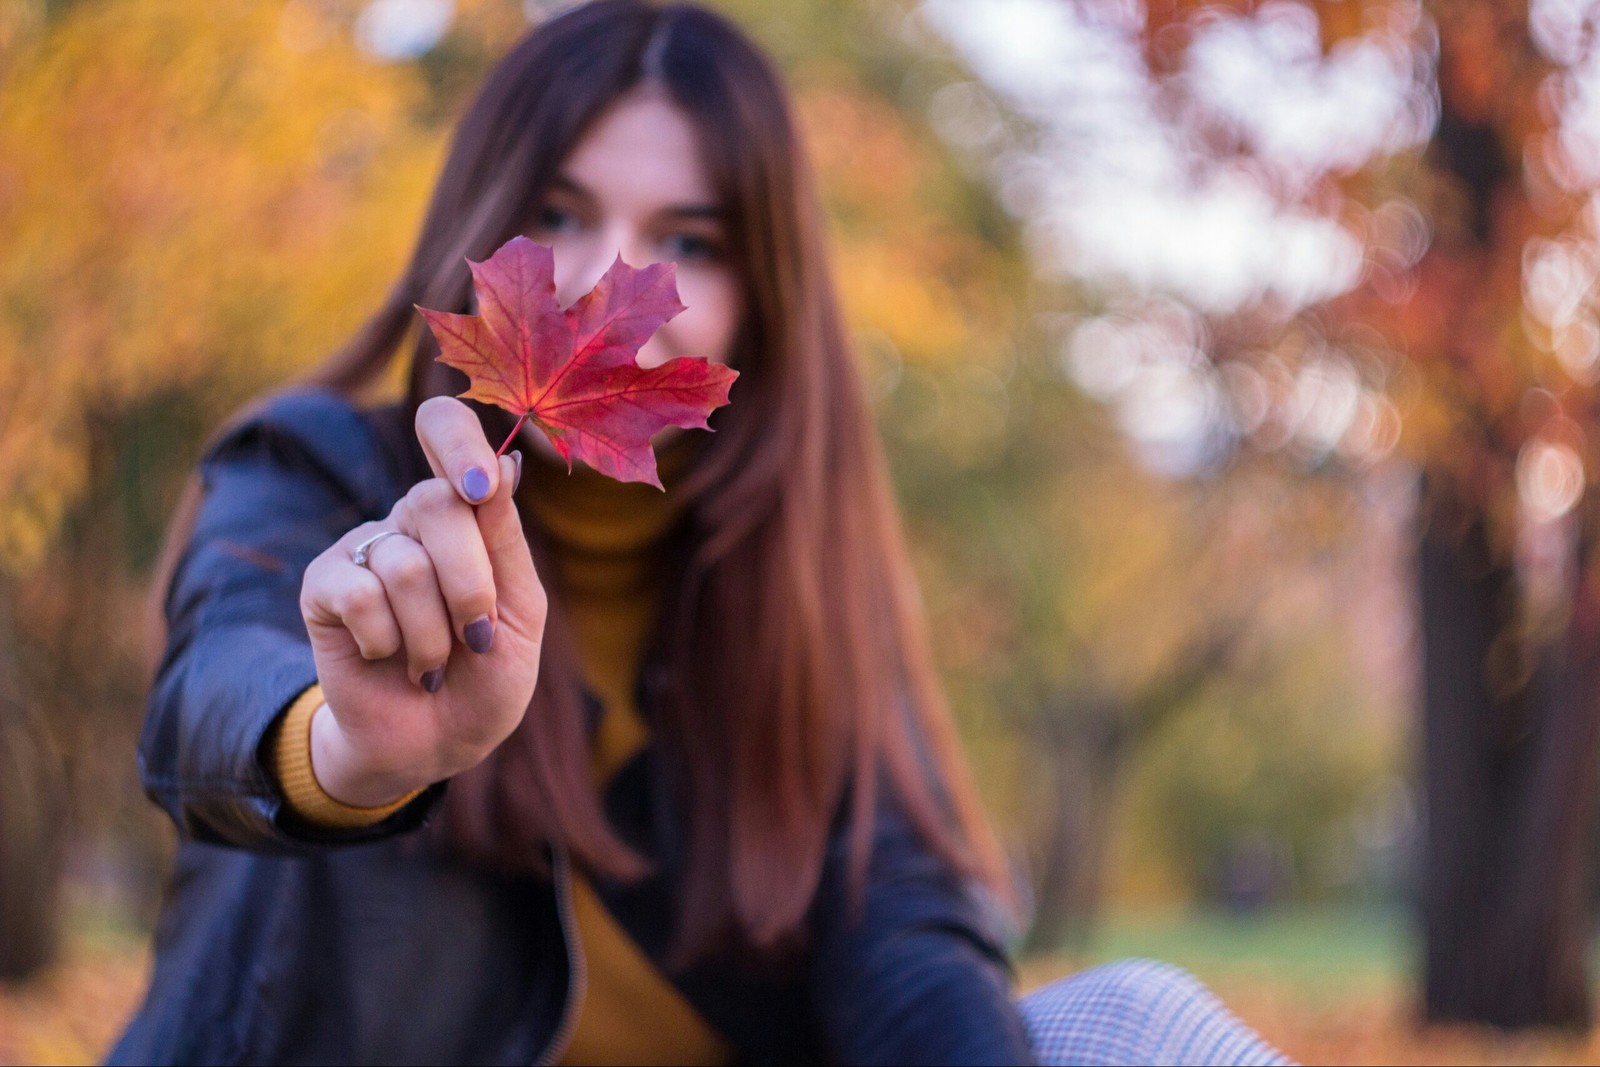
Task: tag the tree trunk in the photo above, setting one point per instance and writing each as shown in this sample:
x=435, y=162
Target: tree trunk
x=1081, y=752
x=1084, y=742
x=32, y=792
x=1509, y=767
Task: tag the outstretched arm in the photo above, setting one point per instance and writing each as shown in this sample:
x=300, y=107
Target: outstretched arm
x=287, y=495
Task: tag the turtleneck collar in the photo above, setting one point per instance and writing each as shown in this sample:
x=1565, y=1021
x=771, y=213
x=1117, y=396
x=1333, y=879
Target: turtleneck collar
x=605, y=535
x=606, y=541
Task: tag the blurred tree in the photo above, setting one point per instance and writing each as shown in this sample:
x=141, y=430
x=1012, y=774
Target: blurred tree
x=31, y=802
x=1136, y=588
x=1507, y=567
x=1497, y=323
x=1471, y=305
x=1078, y=604
x=168, y=171
x=1250, y=798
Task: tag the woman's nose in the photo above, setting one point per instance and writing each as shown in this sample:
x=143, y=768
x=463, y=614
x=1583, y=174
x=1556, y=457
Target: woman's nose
x=579, y=267
x=587, y=261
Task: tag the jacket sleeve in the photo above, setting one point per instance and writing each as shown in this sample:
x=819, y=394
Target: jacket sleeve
x=911, y=971
x=276, y=490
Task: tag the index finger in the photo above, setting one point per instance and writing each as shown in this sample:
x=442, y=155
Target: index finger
x=452, y=439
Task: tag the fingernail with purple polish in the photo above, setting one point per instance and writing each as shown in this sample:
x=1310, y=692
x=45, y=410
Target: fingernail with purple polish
x=479, y=634
x=432, y=680
x=475, y=483
x=516, y=479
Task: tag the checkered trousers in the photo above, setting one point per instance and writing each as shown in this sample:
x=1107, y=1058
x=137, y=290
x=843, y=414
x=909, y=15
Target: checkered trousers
x=1138, y=1012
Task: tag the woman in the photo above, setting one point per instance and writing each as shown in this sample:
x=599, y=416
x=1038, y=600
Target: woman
x=703, y=802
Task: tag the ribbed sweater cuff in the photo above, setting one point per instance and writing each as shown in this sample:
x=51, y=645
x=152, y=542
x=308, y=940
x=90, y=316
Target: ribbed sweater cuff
x=291, y=765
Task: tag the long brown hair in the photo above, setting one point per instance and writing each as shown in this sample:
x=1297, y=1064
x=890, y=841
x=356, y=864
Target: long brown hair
x=798, y=675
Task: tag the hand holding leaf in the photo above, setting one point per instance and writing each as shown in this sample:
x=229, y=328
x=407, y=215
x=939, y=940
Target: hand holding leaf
x=573, y=372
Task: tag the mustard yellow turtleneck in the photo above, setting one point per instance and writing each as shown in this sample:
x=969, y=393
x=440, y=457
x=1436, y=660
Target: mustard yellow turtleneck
x=606, y=539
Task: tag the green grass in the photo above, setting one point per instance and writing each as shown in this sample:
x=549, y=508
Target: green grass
x=1328, y=950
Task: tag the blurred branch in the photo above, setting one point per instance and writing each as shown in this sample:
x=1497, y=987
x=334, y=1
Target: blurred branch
x=1084, y=742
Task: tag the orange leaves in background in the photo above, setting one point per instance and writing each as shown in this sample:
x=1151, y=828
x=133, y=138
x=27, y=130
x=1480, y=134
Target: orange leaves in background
x=139, y=141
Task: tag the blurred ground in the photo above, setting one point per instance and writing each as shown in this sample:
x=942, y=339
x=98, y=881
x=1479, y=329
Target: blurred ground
x=73, y=1012
x=1324, y=985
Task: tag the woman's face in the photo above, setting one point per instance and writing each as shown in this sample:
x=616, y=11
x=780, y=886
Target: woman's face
x=635, y=186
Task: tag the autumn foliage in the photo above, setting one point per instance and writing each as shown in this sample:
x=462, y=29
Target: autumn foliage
x=199, y=201
x=573, y=372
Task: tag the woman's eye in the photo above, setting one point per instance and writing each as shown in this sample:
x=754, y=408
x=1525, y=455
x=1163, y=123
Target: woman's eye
x=556, y=220
x=690, y=246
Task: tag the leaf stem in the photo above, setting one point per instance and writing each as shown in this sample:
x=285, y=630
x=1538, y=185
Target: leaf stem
x=512, y=436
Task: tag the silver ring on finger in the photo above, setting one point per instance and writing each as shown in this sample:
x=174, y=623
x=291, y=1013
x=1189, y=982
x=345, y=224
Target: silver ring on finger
x=361, y=555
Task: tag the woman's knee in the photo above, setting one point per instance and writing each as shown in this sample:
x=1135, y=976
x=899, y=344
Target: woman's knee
x=1131, y=987
x=1141, y=981
x=1137, y=1011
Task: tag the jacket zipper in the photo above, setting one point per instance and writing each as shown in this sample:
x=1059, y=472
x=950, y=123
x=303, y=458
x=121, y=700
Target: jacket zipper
x=577, y=966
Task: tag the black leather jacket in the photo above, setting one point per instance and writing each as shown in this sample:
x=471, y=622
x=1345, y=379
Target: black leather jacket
x=281, y=943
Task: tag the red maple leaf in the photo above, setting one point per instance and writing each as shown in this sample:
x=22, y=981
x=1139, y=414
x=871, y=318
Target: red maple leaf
x=573, y=372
